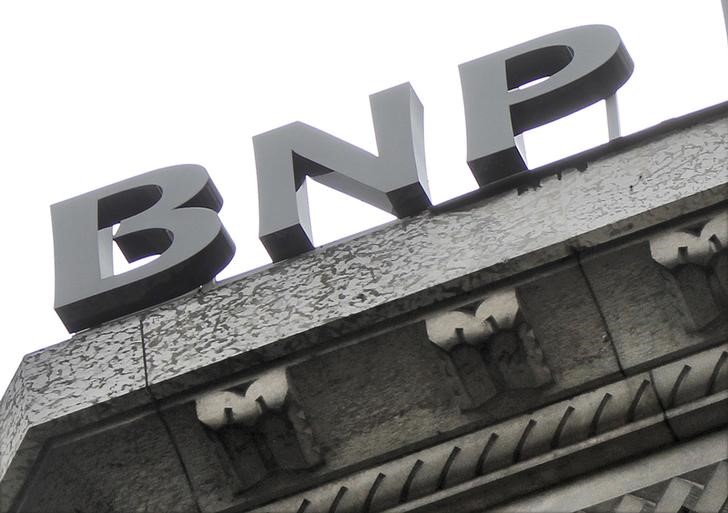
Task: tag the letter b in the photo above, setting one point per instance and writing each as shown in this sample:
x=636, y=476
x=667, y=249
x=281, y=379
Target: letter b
x=170, y=212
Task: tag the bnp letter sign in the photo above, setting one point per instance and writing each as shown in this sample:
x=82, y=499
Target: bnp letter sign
x=172, y=212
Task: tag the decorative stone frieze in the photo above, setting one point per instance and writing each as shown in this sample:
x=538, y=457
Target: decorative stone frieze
x=695, y=260
x=102, y=416
x=689, y=477
x=260, y=430
x=490, y=350
x=561, y=440
x=703, y=490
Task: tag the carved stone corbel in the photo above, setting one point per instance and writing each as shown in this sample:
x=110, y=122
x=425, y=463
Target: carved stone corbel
x=491, y=350
x=696, y=265
x=260, y=430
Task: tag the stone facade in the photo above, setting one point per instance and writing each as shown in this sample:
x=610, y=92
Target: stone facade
x=507, y=351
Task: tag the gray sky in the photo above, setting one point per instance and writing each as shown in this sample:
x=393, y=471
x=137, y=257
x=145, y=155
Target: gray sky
x=92, y=92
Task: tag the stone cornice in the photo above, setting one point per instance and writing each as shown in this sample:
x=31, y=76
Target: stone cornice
x=654, y=401
x=402, y=269
x=690, y=476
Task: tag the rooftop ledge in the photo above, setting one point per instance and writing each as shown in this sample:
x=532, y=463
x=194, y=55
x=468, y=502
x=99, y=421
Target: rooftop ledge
x=364, y=284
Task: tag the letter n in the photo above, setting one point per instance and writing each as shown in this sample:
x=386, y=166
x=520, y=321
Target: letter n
x=394, y=181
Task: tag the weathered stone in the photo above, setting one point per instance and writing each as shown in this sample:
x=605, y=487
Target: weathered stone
x=696, y=244
x=365, y=401
x=491, y=350
x=695, y=297
x=133, y=467
x=644, y=308
x=248, y=439
x=471, y=372
x=568, y=326
x=561, y=439
x=275, y=424
x=66, y=386
x=694, y=390
x=694, y=256
x=215, y=479
x=349, y=321
x=370, y=398
x=221, y=408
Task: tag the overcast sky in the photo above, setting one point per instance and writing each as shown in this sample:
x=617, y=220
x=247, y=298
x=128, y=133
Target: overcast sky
x=93, y=92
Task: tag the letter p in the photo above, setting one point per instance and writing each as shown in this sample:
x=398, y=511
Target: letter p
x=583, y=65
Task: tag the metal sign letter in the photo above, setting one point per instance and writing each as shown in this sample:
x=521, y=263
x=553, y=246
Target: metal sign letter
x=394, y=181
x=170, y=212
x=583, y=65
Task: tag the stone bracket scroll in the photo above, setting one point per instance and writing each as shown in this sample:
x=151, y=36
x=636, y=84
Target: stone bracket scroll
x=261, y=430
x=695, y=263
x=491, y=350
